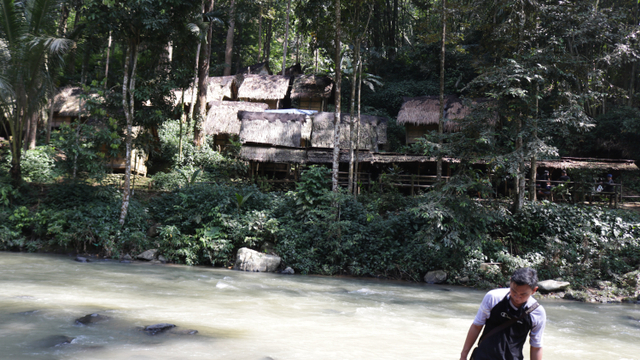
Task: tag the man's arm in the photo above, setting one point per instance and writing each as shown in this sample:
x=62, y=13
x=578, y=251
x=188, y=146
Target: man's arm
x=536, y=353
x=472, y=335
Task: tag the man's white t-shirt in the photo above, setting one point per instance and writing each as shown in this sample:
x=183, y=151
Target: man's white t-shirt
x=538, y=316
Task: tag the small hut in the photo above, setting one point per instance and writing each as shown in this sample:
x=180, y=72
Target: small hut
x=311, y=92
x=373, y=131
x=222, y=119
x=270, y=89
x=422, y=114
x=274, y=129
x=66, y=106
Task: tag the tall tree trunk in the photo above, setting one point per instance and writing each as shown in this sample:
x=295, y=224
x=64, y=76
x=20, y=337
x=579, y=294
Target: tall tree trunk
x=34, y=130
x=352, y=138
x=336, y=119
x=267, y=41
x=71, y=62
x=354, y=78
x=203, y=74
x=286, y=37
x=128, y=88
x=194, y=87
x=441, y=120
x=62, y=22
x=394, y=22
x=355, y=183
x=260, y=34
x=106, y=67
x=518, y=202
x=534, y=162
x=228, y=52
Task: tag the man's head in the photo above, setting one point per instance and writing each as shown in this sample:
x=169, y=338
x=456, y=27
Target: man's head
x=609, y=176
x=546, y=172
x=524, y=283
x=564, y=172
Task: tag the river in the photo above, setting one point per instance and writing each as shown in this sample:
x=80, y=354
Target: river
x=256, y=316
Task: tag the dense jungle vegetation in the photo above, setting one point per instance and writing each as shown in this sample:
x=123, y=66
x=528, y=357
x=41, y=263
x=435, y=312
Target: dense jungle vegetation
x=561, y=76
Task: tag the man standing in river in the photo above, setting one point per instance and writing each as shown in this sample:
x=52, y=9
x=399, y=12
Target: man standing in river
x=507, y=316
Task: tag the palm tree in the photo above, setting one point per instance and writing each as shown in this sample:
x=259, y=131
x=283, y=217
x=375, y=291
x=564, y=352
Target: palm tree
x=29, y=54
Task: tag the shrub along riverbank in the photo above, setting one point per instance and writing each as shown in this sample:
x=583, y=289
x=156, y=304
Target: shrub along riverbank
x=316, y=231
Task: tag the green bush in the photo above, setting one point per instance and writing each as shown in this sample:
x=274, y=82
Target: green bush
x=37, y=165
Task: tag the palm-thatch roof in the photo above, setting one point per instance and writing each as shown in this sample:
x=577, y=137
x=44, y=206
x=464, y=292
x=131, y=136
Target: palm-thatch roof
x=373, y=131
x=218, y=88
x=67, y=101
x=222, y=117
x=264, y=87
x=278, y=129
x=588, y=163
x=425, y=110
x=311, y=86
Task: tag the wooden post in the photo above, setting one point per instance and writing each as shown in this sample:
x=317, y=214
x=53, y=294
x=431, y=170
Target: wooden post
x=412, y=177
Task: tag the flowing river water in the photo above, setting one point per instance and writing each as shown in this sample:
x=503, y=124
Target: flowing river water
x=257, y=316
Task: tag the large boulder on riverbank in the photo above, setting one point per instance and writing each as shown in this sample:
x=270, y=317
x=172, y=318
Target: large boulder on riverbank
x=435, y=277
x=547, y=286
x=251, y=260
x=148, y=255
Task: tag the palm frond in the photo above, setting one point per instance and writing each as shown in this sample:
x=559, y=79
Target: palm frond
x=41, y=12
x=12, y=24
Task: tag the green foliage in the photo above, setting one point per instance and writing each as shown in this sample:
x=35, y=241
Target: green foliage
x=313, y=184
x=79, y=145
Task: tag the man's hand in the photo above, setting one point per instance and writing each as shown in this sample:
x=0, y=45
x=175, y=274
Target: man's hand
x=472, y=335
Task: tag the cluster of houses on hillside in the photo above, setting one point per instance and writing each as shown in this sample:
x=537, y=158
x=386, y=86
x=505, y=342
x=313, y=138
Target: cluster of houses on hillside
x=282, y=123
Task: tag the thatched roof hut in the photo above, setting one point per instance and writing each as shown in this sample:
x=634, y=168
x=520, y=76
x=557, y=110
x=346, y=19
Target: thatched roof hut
x=425, y=110
x=67, y=101
x=276, y=129
x=422, y=114
x=311, y=86
x=373, y=131
x=311, y=91
x=222, y=117
x=588, y=163
x=218, y=88
x=271, y=89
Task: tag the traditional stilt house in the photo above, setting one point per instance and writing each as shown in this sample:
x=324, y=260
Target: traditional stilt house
x=273, y=142
x=372, y=132
x=222, y=119
x=311, y=92
x=421, y=114
x=270, y=89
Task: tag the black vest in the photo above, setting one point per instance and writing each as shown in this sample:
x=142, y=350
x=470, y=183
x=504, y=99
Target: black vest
x=506, y=344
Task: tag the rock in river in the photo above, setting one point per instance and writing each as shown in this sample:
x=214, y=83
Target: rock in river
x=148, y=255
x=435, y=277
x=251, y=260
x=158, y=328
x=547, y=286
x=91, y=319
x=54, y=340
